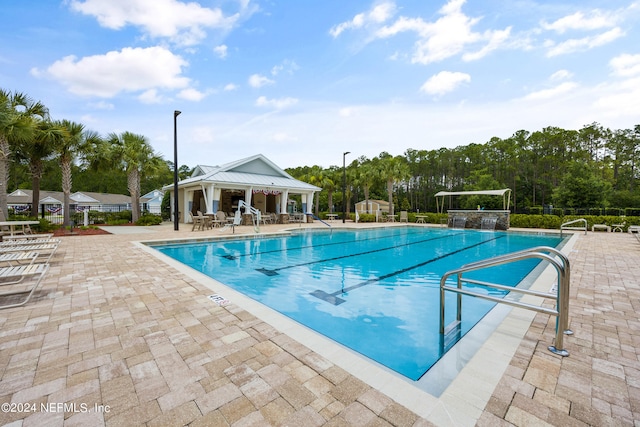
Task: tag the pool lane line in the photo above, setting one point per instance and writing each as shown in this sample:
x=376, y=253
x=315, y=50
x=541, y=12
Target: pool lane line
x=332, y=298
x=234, y=257
x=274, y=271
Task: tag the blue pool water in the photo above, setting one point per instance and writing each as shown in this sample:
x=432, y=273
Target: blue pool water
x=375, y=291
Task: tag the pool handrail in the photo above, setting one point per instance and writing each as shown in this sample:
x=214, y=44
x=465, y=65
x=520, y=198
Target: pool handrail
x=315, y=217
x=561, y=311
x=575, y=221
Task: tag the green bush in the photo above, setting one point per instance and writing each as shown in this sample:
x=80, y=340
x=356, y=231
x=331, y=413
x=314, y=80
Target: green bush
x=535, y=210
x=97, y=217
x=553, y=222
x=364, y=217
x=149, y=219
x=117, y=222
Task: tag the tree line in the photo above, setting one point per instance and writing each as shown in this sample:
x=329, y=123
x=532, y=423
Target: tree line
x=590, y=167
x=586, y=168
x=33, y=147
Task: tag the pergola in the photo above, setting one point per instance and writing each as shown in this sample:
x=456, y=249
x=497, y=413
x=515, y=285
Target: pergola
x=505, y=193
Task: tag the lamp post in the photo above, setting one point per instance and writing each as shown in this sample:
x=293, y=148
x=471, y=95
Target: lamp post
x=176, y=215
x=344, y=186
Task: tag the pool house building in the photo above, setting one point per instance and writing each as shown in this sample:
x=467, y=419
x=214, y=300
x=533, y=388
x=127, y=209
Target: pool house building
x=255, y=180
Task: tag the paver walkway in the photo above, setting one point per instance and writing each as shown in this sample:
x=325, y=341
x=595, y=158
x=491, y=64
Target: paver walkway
x=117, y=337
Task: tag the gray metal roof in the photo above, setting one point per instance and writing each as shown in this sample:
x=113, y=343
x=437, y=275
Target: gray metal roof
x=19, y=197
x=255, y=171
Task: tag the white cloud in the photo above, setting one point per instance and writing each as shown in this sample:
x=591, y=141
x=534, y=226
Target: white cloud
x=625, y=65
x=258, y=80
x=151, y=96
x=595, y=20
x=102, y=105
x=347, y=111
x=444, y=82
x=283, y=137
x=585, y=43
x=450, y=35
x=230, y=86
x=128, y=70
x=496, y=39
x=180, y=22
x=561, y=75
x=278, y=104
x=203, y=135
x=286, y=66
x=191, y=94
x=553, y=92
x=377, y=15
x=221, y=51
x=621, y=99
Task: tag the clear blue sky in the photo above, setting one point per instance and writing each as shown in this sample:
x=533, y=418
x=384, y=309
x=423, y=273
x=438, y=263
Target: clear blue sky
x=303, y=81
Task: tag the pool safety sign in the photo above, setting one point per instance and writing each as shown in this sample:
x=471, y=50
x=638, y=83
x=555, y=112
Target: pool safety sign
x=219, y=299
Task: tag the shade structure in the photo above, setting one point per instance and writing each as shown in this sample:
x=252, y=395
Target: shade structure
x=505, y=193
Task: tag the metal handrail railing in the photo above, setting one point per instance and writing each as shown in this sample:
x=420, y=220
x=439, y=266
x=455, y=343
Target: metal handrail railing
x=575, y=221
x=562, y=266
x=315, y=217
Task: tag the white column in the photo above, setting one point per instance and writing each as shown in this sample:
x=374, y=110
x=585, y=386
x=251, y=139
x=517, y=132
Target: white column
x=207, y=192
x=215, y=202
x=185, y=205
x=283, y=201
x=247, y=195
x=305, y=207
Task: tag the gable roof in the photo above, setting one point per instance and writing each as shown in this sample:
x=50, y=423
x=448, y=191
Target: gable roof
x=20, y=197
x=151, y=195
x=79, y=197
x=257, y=171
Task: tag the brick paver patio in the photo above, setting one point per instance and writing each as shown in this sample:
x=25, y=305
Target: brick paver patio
x=117, y=337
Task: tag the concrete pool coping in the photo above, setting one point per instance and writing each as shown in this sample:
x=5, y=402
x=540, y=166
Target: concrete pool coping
x=468, y=385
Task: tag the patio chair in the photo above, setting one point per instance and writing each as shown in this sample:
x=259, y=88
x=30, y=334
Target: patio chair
x=13, y=259
x=265, y=218
x=28, y=236
x=197, y=220
x=620, y=226
x=222, y=218
x=237, y=220
x=6, y=242
x=404, y=216
x=207, y=220
x=15, y=277
x=45, y=251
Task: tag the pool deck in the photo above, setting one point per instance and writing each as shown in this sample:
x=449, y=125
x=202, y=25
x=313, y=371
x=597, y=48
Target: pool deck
x=117, y=336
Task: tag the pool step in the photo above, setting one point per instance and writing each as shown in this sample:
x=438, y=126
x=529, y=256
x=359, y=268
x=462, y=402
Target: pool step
x=451, y=333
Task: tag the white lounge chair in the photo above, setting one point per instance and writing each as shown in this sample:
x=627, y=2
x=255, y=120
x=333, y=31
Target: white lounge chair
x=28, y=242
x=12, y=259
x=15, y=277
x=28, y=236
x=45, y=251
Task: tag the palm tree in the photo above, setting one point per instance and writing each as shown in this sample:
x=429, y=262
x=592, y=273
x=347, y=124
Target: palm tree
x=366, y=172
x=46, y=136
x=18, y=114
x=76, y=141
x=393, y=169
x=331, y=178
x=136, y=156
x=316, y=177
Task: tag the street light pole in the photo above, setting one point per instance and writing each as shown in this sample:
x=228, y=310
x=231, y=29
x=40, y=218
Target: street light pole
x=176, y=215
x=344, y=186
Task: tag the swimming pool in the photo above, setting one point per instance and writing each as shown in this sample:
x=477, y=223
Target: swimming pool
x=375, y=291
